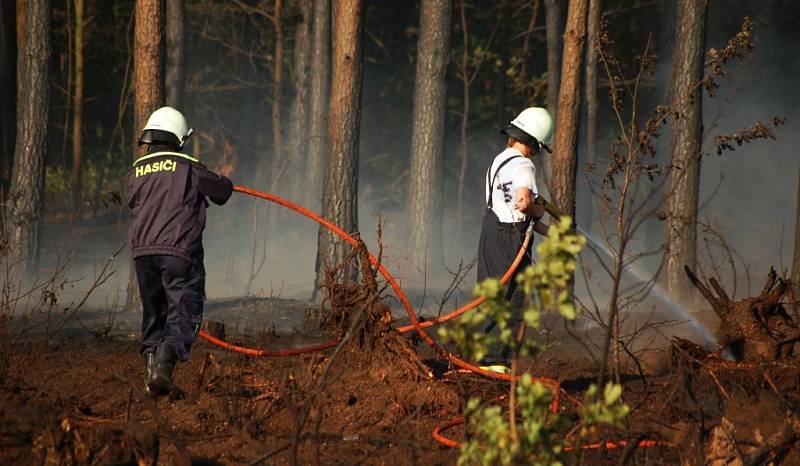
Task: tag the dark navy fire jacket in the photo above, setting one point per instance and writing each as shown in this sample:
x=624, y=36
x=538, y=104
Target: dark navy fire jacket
x=168, y=193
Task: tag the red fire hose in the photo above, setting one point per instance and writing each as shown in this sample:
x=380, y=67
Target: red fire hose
x=415, y=325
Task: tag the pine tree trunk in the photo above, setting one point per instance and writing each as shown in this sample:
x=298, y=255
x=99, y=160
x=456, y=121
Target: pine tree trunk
x=298, y=113
x=24, y=205
x=796, y=260
x=528, y=90
x=318, y=100
x=148, y=64
x=77, y=109
x=592, y=33
x=427, y=140
x=552, y=10
x=686, y=137
x=565, y=147
x=339, y=198
x=176, y=53
x=20, y=26
x=463, y=154
x=276, y=173
x=8, y=93
x=148, y=85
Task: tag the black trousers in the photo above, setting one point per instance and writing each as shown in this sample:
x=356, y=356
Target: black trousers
x=172, y=291
x=497, y=249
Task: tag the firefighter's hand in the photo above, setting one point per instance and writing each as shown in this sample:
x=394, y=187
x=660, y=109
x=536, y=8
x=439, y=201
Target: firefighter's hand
x=524, y=203
x=520, y=204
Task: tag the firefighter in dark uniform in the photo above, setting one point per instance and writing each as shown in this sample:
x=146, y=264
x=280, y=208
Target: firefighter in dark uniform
x=168, y=192
x=511, y=190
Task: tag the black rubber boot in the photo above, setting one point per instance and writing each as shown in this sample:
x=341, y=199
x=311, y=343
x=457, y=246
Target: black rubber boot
x=160, y=382
x=149, y=370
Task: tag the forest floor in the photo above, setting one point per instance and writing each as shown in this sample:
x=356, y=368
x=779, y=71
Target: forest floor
x=77, y=400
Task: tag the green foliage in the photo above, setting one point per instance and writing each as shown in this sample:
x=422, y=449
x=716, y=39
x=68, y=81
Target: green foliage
x=468, y=335
x=58, y=184
x=545, y=285
x=546, y=282
x=56, y=181
x=605, y=410
x=538, y=439
x=492, y=441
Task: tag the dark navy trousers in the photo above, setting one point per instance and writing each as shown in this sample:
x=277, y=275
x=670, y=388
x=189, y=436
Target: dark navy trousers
x=172, y=291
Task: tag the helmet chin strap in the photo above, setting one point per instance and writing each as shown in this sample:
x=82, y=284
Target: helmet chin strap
x=186, y=138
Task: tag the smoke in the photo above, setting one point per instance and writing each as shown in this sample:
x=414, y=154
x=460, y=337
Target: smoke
x=752, y=206
x=755, y=203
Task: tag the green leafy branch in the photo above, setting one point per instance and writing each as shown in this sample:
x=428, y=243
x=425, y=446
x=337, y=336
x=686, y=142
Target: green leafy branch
x=495, y=437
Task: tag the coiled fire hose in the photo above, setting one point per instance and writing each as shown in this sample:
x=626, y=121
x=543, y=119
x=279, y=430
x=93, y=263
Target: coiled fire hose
x=415, y=325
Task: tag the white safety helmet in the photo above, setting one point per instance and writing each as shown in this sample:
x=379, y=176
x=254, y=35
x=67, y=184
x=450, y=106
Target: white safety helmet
x=166, y=125
x=533, y=127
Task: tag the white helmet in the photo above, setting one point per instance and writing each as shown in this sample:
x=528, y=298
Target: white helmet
x=533, y=127
x=166, y=125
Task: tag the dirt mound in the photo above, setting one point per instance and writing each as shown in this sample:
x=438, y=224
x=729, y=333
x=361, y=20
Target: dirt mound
x=380, y=379
x=373, y=383
x=382, y=392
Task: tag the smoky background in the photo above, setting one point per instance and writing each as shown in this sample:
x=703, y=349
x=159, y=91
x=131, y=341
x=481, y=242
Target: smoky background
x=256, y=249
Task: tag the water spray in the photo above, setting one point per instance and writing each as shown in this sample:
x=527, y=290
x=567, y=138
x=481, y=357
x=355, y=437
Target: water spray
x=656, y=292
x=640, y=277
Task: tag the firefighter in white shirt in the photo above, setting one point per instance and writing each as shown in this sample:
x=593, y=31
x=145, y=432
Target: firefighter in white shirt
x=510, y=186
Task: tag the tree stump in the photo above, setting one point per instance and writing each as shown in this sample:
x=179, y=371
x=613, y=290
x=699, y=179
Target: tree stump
x=214, y=328
x=756, y=329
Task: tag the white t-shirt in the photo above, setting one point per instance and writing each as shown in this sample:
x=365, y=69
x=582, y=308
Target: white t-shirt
x=518, y=173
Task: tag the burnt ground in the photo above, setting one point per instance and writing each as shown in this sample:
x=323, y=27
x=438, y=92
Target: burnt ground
x=76, y=400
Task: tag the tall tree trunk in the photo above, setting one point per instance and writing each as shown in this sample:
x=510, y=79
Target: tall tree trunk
x=339, y=198
x=592, y=34
x=176, y=53
x=504, y=48
x=425, y=217
x=465, y=104
x=20, y=27
x=565, y=147
x=8, y=93
x=318, y=101
x=148, y=64
x=552, y=9
x=77, y=109
x=298, y=114
x=796, y=259
x=148, y=84
x=683, y=185
x=527, y=90
x=277, y=98
x=27, y=177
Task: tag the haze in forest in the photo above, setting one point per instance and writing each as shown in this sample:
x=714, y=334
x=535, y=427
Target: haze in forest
x=748, y=195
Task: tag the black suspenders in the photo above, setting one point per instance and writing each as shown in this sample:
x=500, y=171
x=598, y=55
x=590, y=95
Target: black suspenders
x=490, y=181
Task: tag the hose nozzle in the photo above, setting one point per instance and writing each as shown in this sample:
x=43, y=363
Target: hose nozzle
x=549, y=207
